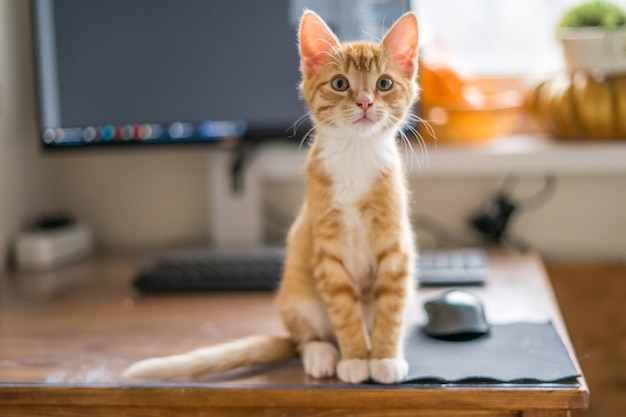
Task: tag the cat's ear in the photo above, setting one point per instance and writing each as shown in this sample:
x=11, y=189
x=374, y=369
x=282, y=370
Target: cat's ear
x=316, y=41
x=401, y=42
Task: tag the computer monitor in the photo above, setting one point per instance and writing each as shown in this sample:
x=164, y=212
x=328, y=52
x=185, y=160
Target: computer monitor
x=116, y=73
x=164, y=71
x=120, y=72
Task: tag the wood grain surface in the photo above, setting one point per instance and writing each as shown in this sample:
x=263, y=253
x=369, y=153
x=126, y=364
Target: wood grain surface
x=592, y=296
x=67, y=336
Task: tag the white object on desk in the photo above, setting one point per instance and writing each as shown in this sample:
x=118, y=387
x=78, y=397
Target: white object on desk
x=44, y=249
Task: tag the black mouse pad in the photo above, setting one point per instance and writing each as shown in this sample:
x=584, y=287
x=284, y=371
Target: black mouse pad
x=512, y=353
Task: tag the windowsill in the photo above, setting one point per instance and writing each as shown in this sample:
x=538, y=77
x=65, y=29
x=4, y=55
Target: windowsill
x=524, y=154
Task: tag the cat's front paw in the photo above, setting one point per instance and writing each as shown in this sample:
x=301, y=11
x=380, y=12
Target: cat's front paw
x=353, y=371
x=320, y=359
x=388, y=370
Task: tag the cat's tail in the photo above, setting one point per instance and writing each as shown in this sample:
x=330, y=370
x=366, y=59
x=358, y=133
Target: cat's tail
x=255, y=350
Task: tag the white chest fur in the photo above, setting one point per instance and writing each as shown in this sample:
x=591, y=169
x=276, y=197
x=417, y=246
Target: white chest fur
x=354, y=164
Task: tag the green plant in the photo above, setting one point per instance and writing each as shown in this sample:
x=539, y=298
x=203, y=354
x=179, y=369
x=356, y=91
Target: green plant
x=597, y=13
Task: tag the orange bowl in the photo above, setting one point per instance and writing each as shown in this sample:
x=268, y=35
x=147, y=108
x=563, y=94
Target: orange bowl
x=497, y=115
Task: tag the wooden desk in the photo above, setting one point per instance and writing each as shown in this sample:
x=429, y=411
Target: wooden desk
x=63, y=355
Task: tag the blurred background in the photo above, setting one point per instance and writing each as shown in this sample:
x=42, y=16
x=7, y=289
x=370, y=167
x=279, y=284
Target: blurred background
x=505, y=108
x=155, y=196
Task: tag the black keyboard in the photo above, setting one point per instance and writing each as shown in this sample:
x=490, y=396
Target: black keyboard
x=260, y=268
x=202, y=269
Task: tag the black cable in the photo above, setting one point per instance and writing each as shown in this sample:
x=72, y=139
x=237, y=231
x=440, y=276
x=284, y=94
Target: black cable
x=241, y=157
x=536, y=200
x=492, y=222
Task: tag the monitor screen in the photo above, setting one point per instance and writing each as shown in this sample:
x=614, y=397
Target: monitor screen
x=172, y=71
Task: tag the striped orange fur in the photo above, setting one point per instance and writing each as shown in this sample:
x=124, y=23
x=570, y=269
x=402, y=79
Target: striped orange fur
x=348, y=275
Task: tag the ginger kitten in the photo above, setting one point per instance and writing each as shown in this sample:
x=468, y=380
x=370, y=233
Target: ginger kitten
x=348, y=275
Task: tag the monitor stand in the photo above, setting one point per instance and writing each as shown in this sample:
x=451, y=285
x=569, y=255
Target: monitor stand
x=234, y=215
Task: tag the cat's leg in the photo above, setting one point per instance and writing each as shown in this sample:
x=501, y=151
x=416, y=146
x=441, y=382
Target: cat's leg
x=307, y=321
x=392, y=292
x=319, y=358
x=301, y=308
x=318, y=301
x=305, y=317
x=341, y=296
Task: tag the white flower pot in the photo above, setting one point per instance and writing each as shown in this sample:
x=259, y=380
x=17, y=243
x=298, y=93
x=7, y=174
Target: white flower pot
x=594, y=50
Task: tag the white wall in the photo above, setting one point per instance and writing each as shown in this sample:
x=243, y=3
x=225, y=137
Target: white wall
x=134, y=198
x=23, y=190
x=585, y=218
x=152, y=198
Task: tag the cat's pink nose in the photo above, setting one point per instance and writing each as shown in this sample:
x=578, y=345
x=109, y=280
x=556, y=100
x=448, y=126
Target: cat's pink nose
x=364, y=101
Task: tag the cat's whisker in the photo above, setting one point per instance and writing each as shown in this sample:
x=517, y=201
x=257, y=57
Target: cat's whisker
x=413, y=153
x=335, y=117
x=409, y=157
x=422, y=143
x=429, y=129
x=334, y=59
x=426, y=124
x=333, y=46
x=406, y=161
x=304, y=139
x=423, y=148
x=416, y=119
x=296, y=125
x=339, y=51
x=335, y=50
x=374, y=38
x=336, y=64
x=406, y=124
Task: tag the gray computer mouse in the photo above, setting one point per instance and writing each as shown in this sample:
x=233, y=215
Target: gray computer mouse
x=456, y=315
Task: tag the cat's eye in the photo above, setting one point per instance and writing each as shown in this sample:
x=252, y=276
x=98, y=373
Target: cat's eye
x=339, y=83
x=384, y=83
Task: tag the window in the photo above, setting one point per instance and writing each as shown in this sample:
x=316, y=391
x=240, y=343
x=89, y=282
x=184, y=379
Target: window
x=497, y=37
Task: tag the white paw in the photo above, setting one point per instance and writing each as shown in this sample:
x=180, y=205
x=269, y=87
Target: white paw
x=320, y=359
x=388, y=370
x=353, y=370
